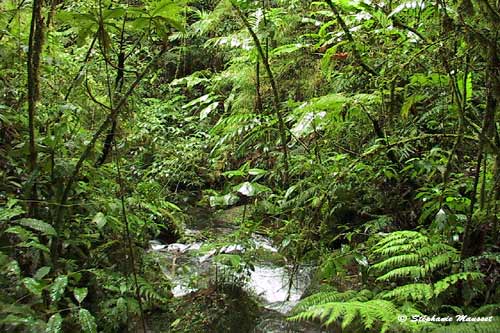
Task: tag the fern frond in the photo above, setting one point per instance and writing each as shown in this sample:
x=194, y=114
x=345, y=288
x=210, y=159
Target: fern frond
x=398, y=238
x=415, y=272
x=403, y=259
x=371, y=312
x=324, y=297
x=390, y=250
x=444, y=284
x=439, y=261
x=487, y=310
x=148, y=291
x=363, y=295
x=435, y=248
x=414, y=292
x=400, y=241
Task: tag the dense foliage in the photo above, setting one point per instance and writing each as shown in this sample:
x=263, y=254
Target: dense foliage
x=361, y=135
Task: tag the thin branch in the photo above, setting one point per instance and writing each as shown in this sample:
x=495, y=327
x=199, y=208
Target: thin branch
x=348, y=34
x=82, y=67
x=89, y=92
x=18, y=8
x=128, y=237
x=416, y=138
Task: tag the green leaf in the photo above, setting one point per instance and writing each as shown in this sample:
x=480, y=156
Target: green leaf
x=35, y=244
x=22, y=233
x=176, y=323
x=57, y=288
x=251, y=189
x=206, y=111
x=171, y=12
x=256, y=172
x=35, y=287
x=38, y=225
x=113, y=13
x=87, y=321
x=223, y=200
x=200, y=100
x=468, y=86
x=8, y=213
x=80, y=294
x=54, y=325
x=100, y=220
x=42, y=272
x=409, y=102
x=289, y=48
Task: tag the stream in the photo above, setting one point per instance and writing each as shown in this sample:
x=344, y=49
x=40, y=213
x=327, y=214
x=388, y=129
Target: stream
x=191, y=266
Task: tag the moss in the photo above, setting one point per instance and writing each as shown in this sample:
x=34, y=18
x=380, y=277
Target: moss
x=227, y=308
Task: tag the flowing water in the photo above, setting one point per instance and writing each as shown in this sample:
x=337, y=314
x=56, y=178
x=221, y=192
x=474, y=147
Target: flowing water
x=277, y=285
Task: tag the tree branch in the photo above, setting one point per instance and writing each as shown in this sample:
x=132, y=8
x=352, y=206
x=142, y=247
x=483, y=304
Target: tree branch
x=348, y=34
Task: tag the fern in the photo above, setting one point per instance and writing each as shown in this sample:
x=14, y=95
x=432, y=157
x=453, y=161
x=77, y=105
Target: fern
x=149, y=291
x=400, y=241
x=440, y=260
x=324, y=297
x=399, y=256
x=409, y=254
x=444, y=284
x=403, y=259
x=414, y=272
x=370, y=313
x=414, y=292
x=487, y=310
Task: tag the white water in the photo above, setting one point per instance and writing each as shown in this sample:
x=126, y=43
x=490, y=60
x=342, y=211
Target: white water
x=190, y=268
x=269, y=282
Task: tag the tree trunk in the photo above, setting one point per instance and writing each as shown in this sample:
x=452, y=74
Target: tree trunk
x=35, y=45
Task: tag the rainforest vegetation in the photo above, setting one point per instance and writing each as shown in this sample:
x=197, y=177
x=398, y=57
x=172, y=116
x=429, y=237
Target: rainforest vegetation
x=352, y=146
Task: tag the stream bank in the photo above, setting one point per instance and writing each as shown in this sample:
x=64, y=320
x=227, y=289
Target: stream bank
x=224, y=282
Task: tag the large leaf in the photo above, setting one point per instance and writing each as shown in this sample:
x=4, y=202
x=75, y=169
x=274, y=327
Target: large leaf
x=251, y=189
x=100, y=220
x=42, y=272
x=54, y=325
x=87, y=321
x=80, y=294
x=289, y=48
x=35, y=287
x=38, y=225
x=206, y=111
x=170, y=11
x=409, y=103
x=200, y=100
x=57, y=288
